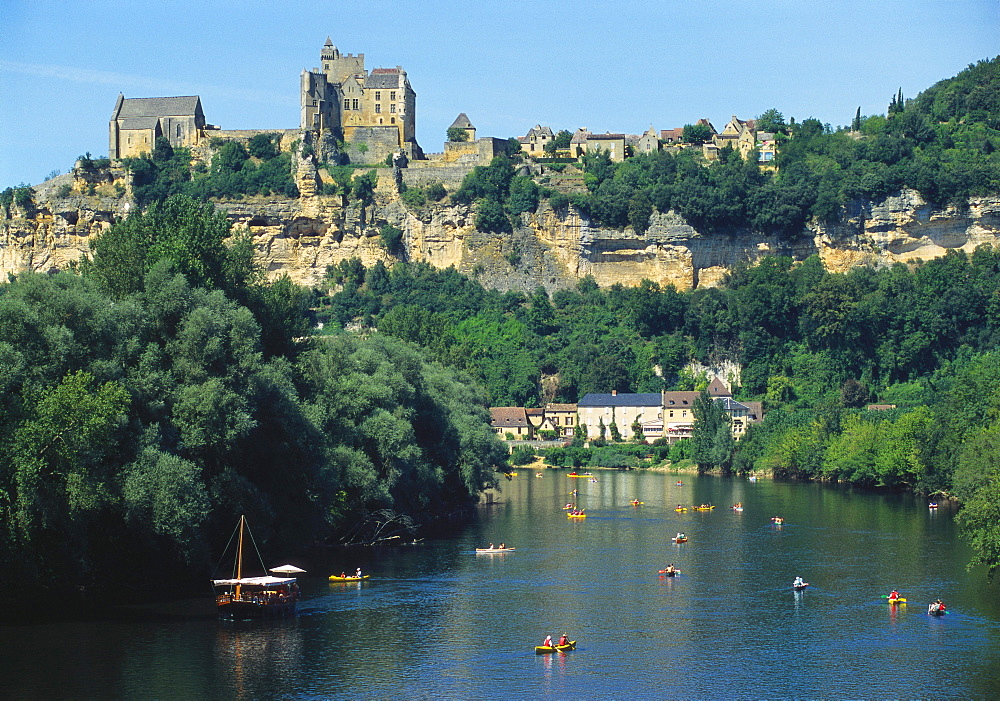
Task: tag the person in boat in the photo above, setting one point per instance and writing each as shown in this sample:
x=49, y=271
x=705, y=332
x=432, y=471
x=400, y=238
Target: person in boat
x=894, y=594
x=798, y=582
x=563, y=640
x=358, y=573
x=343, y=575
x=548, y=641
x=669, y=569
x=502, y=546
x=491, y=547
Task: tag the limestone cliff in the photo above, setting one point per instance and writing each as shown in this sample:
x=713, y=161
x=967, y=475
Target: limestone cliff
x=302, y=237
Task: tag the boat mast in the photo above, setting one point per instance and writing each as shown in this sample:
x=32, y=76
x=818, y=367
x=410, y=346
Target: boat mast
x=239, y=557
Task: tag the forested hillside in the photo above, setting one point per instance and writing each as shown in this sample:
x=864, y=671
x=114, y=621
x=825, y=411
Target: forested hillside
x=152, y=399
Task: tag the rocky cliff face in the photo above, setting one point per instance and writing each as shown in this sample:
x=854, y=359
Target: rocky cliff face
x=553, y=249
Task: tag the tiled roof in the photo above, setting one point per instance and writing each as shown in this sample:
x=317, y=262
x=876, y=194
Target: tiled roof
x=679, y=400
x=159, y=106
x=512, y=416
x=605, y=137
x=621, y=399
x=580, y=136
x=718, y=388
x=560, y=407
x=462, y=122
x=534, y=411
x=140, y=123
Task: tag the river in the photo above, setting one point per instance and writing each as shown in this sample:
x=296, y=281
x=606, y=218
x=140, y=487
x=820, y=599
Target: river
x=436, y=620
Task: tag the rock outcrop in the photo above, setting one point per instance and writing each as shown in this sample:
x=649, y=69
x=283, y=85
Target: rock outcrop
x=554, y=249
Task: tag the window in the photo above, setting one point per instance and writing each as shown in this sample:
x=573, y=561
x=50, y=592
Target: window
x=378, y=95
x=178, y=131
x=378, y=107
x=392, y=120
x=347, y=104
x=392, y=95
x=354, y=104
x=392, y=108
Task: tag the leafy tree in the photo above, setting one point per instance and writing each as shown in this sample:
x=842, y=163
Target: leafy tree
x=457, y=134
x=696, y=134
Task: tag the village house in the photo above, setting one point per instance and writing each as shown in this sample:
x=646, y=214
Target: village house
x=533, y=143
x=612, y=144
x=649, y=142
x=562, y=417
x=540, y=421
x=512, y=420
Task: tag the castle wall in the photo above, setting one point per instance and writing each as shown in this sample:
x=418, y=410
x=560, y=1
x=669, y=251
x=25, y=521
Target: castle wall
x=424, y=173
x=379, y=142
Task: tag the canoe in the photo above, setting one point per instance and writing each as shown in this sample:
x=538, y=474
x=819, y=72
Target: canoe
x=546, y=649
x=702, y=508
x=936, y=612
x=352, y=578
x=932, y=505
x=680, y=509
x=900, y=600
x=494, y=550
x=679, y=540
x=670, y=574
x=573, y=474
x=800, y=587
x=637, y=503
x=577, y=515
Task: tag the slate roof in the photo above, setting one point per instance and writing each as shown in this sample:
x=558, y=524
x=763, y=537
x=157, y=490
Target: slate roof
x=560, y=407
x=606, y=137
x=140, y=123
x=508, y=416
x=730, y=404
x=160, y=106
x=621, y=399
x=462, y=122
x=381, y=78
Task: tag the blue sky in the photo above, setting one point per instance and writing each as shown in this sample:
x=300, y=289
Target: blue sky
x=609, y=66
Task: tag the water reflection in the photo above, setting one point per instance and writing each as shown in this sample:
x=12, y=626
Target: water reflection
x=439, y=621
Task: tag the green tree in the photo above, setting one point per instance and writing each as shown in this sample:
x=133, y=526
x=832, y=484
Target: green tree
x=457, y=134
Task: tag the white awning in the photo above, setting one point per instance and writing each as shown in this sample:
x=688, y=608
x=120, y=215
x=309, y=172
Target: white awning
x=254, y=581
x=287, y=569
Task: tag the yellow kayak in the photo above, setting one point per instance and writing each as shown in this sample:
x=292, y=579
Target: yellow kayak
x=352, y=578
x=545, y=649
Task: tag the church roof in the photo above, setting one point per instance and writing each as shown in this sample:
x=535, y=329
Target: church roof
x=462, y=122
x=140, y=123
x=160, y=106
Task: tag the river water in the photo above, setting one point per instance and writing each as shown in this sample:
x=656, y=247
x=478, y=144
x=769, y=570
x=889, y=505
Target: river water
x=439, y=621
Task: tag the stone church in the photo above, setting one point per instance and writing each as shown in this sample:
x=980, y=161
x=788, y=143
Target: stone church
x=374, y=113
x=137, y=122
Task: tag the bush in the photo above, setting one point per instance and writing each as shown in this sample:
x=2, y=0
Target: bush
x=262, y=146
x=414, y=197
x=64, y=190
x=522, y=455
x=436, y=192
x=391, y=237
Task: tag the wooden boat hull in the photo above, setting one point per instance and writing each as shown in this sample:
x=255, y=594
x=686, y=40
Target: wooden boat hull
x=335, y=578
x=242, y=610
x=548, y=649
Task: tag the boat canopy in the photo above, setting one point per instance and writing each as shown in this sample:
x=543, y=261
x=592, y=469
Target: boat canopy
x=254, y=581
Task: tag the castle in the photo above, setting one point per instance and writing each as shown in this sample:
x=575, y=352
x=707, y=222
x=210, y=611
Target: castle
x=374, y=113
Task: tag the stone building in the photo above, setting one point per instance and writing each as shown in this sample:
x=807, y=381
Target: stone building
x=373, y=112
x=137, y=122
x=533, y=143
